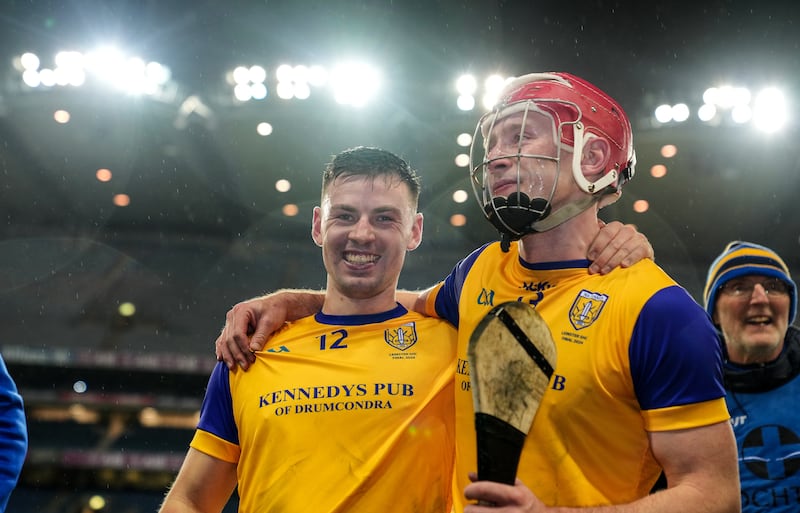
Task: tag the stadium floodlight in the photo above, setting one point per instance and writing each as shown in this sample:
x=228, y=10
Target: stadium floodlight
x=741, y=114
x=29, y=61
x=706, y=112
x=769, y=110
x=317, y=76
x=663, y=113
x=257, y=74
x=465, y=102
x=241, y=75
x=466, y=85
x=258, y=91
x=242, y=92
x=355, y=83
x=680, y=112
x=492, y=87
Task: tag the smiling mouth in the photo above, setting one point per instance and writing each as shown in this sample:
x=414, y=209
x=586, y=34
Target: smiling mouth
x=760, y=320
x=360, y=258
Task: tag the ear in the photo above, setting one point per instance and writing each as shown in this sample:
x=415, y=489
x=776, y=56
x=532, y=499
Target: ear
x=416, y=233
x=316, y=226
x=596, y=155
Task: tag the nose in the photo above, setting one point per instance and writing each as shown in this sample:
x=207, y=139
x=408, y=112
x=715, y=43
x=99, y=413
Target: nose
x=362, y=231
x=498, y=158
x=759, y=294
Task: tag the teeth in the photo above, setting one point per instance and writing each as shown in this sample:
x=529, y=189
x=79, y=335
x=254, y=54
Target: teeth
x=759, y=320
x=360, y=258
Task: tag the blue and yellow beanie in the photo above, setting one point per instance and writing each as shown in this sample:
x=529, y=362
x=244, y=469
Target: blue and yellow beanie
x=745, y=258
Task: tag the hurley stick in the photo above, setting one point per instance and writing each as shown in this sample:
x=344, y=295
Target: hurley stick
x=511, y=358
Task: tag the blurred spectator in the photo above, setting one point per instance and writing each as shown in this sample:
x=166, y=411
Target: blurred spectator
x=753, y=300
x=13, y=435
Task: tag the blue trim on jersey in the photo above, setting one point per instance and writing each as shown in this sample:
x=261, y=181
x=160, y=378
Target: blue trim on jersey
x=553, y=266
x=360, y=320
x=216, y=417
x=669, y=352
x=446, y=304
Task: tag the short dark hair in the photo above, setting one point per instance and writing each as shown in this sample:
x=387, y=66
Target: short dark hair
x=372, y=162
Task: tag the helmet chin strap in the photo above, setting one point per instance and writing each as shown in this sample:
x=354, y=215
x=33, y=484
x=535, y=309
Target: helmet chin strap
x=563, y=214
x=517, y=218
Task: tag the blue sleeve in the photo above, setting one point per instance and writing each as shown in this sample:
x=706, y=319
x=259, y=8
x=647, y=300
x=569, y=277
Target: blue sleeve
x=447, y=298
x=675, y=354
x=216, y=413
x=13, y=435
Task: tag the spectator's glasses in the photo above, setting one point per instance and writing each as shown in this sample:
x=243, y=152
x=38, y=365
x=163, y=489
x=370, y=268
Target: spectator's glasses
x=773, y=287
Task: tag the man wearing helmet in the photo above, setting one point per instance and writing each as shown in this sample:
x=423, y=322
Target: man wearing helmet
x=631, y=394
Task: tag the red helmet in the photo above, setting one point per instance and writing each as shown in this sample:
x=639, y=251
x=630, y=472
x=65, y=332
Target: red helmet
x=579, y=111
x=575, y=106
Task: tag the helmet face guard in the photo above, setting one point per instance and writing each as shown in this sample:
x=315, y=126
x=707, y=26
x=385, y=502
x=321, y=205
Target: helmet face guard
x=578, y=112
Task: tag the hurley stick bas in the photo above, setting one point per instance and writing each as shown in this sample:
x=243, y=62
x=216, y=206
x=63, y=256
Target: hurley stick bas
x=511, y=357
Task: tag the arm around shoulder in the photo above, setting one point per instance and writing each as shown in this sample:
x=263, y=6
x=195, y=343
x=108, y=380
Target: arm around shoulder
x=249, y=324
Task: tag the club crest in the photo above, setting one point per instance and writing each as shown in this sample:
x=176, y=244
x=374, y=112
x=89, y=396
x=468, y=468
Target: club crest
x=586, y=309
x=402, y=337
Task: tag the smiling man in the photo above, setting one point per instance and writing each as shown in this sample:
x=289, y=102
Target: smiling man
x=753, y=301
x=349, y=409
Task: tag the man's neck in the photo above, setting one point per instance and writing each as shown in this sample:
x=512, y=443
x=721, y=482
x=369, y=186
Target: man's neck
x=567, y=241
x=337, y=303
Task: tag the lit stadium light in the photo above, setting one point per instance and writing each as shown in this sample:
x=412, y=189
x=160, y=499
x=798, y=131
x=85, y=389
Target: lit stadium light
x=466, y=85
x=668, y=151
x=301, y=90
x=290, y=210
x=103, y=175
x=264, y=129
x=47, y=77
x=300, y=74
x=158, y=73
x=458, y=220
x=462, y=160
x=706, y=112
x=741, y=114
x=285, y=90
x=105, y=63
x=29, y=61
x=488, y=101
x=658, y=171
x=663, y=113
x=317, y=76
x=296, y=81
x=641, y=206
x=242, y=92
x=465, y=102
x=460, y=196
x=257, y=74
x=258, y=91
x=680, y=112
x=284, y=73
x=61, y=116
x=464, y=139
x=354, y=84
x=728, y=97
x=249, y=83
x=769, y=110
x=31, y=78
x=241, y=75
x=283, y=185
x=494, y=83
x=492, y=86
